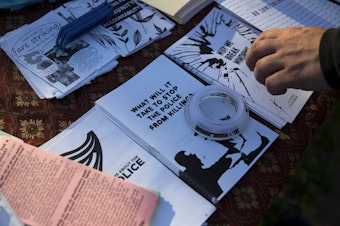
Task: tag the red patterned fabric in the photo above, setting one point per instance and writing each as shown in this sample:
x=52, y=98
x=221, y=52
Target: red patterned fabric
x=35, y=121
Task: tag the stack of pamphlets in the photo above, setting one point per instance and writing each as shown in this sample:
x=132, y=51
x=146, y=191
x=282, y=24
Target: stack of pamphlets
x=53, y=72
x=147, y=141
x=215, y=51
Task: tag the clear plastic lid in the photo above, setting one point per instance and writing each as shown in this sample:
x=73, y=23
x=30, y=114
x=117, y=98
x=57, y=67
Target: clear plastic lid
x=216, y=112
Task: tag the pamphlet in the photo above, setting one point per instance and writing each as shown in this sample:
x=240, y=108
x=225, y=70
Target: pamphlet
x=96, y=142
x=46, y=189
x=151, y=111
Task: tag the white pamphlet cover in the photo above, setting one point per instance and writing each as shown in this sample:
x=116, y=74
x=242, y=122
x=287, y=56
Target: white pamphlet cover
x=150, y=108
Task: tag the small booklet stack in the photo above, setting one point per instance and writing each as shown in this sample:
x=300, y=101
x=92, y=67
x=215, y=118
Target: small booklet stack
x=54, y=73
x=215, y=49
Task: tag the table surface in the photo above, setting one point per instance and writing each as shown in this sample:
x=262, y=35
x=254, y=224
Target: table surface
x=36, y=120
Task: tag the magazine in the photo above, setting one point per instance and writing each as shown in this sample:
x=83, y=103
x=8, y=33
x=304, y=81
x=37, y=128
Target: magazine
x=148, y=112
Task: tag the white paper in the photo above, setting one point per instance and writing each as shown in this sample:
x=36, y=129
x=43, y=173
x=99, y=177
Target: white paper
x=268, y=14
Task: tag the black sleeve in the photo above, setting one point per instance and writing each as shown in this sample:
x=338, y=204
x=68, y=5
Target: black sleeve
x=329, y=53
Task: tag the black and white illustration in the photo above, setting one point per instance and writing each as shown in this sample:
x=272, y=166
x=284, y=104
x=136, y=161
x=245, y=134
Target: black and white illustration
x=33, y=49
x=132, y=26
x=196, y=173
x=215, y=51
x=89, y=153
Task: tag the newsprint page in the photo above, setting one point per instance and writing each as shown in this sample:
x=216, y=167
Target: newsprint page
x=47, y=189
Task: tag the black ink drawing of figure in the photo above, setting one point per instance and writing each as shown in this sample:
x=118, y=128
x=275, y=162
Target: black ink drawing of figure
x=207, y=178
x=246, y=158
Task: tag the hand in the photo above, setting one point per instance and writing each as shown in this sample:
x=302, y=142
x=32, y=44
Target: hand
x=288, y=58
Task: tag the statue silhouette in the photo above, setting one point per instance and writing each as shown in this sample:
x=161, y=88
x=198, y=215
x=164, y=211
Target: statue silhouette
x=206, y=178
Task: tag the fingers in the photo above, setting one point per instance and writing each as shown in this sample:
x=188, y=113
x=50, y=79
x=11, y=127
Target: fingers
x=287, y=58
x=265, y=44
x=267, y=66
x=259, y=49
x=276, y=84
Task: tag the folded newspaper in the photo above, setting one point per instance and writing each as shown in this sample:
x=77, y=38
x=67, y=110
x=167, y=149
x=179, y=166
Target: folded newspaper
x=55, y=73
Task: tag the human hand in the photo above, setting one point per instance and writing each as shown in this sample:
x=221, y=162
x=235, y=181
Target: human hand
x=288, y=58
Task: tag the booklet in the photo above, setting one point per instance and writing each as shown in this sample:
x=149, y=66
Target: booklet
x=215, y=51
x=144, y=120
x=150, y=109
x=46, y=189
x=271, y=14
x=53, y=72
x=96, y=142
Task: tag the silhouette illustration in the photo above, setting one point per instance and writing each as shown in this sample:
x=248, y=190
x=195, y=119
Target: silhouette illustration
x=205, y=180
x=208, y=177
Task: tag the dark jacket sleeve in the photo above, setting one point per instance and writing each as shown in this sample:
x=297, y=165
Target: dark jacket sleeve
x=329, y=53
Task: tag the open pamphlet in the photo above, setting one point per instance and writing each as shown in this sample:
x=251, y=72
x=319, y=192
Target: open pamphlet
x=180, y=11
x=53, y=72
x=46, y=189
x=215, y=50
x=139, y=132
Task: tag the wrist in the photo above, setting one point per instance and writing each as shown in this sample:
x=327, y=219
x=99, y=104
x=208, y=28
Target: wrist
x=330, y=58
